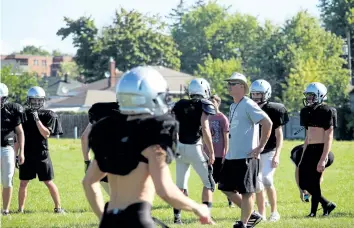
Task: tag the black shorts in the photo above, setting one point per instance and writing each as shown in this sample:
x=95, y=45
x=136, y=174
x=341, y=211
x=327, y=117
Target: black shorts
x=42, y=168
x=296, y=155
x=239, y=175
x=135, y=215
x=217, y=169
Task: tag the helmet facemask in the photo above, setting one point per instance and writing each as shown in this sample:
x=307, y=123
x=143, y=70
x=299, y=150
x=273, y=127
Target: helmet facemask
x=3, y=101
x=35, y=103
x=258, y=97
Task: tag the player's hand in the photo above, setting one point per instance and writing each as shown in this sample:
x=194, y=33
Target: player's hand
x=87, y=164
x=16, y=163
x=255, y=152
x=35, y=115
x=203, y=213
x=321, y=166
x=211, y=158
x=21, y=159
x=275, y=161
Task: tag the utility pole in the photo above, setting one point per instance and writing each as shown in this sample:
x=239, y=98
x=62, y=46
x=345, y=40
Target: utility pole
x=349, y=55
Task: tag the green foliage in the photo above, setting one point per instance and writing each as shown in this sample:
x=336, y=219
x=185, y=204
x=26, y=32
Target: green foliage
x=33, y=50
x=312, y=54
x=132, y=39
x=215, y=71
x=18, y=84
x=69, y=68
x=337, y=15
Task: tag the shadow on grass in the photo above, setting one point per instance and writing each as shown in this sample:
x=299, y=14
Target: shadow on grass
x=339, y=214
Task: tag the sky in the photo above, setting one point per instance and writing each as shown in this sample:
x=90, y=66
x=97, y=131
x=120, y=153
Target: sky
x=35, y=22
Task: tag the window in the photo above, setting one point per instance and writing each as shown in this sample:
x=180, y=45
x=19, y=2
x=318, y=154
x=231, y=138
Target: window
x=35, y=62
x=44, y=62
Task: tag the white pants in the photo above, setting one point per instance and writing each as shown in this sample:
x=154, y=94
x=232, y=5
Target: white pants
x=7, y=166
x=193, y=154
x=266, y=174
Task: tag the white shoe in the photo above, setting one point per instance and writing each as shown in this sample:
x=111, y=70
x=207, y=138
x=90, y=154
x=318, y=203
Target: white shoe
x=274, y=216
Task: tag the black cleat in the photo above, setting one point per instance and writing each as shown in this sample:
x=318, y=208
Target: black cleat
x=239, y=224
x=311, y=215
x=329, y=208
x=254, y=220
x=177, y=220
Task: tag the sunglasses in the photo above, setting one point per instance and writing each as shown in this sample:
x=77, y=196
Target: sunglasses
x=233, y=83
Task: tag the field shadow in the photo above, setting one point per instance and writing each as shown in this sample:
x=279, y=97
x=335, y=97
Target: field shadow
x=319, y=215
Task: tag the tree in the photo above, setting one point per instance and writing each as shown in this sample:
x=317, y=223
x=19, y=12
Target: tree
x=338, y=16
x=18, y=83
x=133, y=39
x=33, y=50
x=137, y=39
x=69, y=68
x=57, y=52
x=194, y=34
x=215, y=71
x=84, y=34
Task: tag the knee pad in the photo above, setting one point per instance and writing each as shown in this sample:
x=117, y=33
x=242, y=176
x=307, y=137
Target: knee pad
x=268, y=181
x=209, y=184
x=7, y=182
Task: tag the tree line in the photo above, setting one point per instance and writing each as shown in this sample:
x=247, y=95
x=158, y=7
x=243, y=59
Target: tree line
x=207, y=39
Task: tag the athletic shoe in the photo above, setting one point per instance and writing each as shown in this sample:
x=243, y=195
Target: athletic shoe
x=329, y=208
x=274, y=216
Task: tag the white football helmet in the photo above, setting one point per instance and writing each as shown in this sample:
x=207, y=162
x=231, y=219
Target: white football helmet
x=199, y=86
x=142, y=90
x=263, y=87
x=4, y=93
x=35, y=98
x=315, y=92
x=239, y=77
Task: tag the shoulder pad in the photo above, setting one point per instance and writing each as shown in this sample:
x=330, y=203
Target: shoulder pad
x=14, y=107
x=208, y=107
x=48, y=113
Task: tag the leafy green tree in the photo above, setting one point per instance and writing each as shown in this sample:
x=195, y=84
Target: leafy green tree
x=33, y=50
x=215, y=71
x=18, y=83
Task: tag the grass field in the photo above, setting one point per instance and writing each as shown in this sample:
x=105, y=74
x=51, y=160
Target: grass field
x=338, y=186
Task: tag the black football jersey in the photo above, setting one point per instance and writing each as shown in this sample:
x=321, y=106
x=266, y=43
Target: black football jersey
x=12, y=115
x=188, y=113
x=279, y=116
x=36, y=146
x=102, y=109
x=117, y=143
x=320, y=115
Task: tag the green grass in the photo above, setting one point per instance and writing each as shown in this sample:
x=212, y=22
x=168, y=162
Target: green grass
x=338, y=186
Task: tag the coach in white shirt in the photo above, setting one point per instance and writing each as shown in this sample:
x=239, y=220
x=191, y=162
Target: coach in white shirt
x=241, y=166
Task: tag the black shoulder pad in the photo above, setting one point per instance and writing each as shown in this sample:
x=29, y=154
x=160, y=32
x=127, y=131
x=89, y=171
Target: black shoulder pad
x=49, y=113
x=208, y=107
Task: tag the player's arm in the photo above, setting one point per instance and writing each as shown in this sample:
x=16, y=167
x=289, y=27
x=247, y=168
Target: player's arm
x=42, y=129
x=207, y=135
x=226, y=132
x=328, y=139
x=92, y=188
x=19, y=149
x=85, y=143
x=164, y=185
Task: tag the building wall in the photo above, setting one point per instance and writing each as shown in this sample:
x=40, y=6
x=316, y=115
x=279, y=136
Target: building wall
x=41, y=65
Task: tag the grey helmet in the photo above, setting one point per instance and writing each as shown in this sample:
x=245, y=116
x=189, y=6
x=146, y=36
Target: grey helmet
x=263, y=87
x=142, y=90
x=4, y=93
x=318, y=91
x=35, y=98
x=199, y=86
